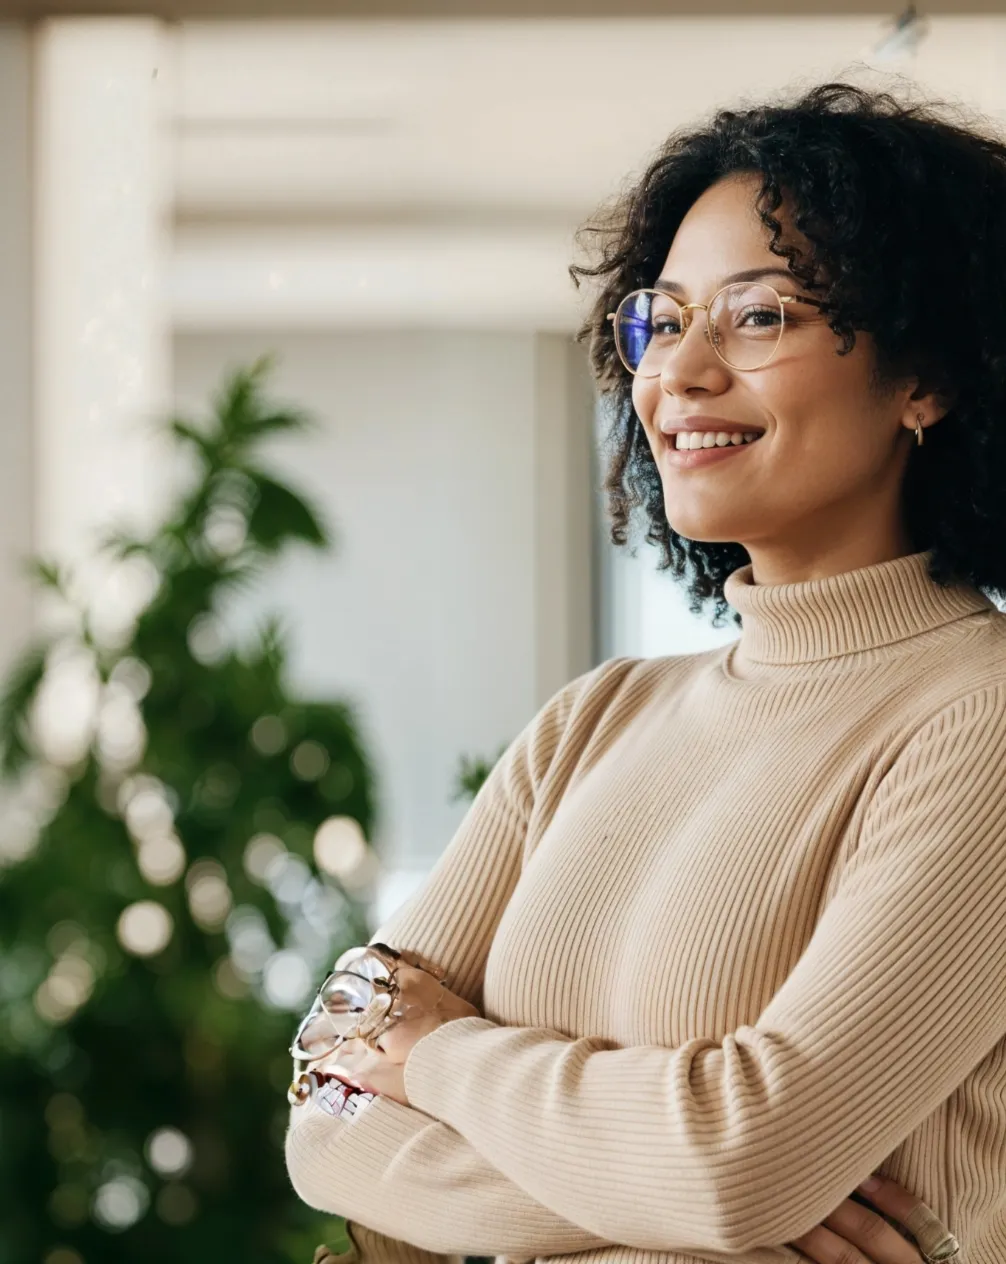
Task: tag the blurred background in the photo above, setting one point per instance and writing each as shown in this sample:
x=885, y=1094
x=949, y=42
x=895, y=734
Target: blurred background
x=264, y=656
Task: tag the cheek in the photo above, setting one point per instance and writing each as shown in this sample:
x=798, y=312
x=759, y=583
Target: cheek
x=645, y=393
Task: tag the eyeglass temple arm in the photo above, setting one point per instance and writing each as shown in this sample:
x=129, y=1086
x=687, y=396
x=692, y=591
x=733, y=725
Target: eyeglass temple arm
x=783, y=298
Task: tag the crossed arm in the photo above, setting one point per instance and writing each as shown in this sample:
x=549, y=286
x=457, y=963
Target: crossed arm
x=720, y=1146
x=412, y=1188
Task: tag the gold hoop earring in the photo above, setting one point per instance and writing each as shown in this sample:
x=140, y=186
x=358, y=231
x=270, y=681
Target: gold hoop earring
x=919, y=418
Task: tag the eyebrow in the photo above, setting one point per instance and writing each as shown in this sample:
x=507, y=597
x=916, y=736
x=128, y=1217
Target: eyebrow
x=750, y=274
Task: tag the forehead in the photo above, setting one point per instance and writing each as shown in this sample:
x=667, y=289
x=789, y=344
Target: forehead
x=722, y=233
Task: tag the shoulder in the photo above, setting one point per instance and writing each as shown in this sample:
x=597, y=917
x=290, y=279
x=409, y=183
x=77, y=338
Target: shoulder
x=952, y=716
x=596, y=706
x=618, y=687
x=962, y=676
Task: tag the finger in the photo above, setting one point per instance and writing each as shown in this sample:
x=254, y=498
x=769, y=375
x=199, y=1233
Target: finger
x=825, y=1247
x=423, y=963
x=353, y=1066
x=398, y=1041
x=870, y=1233
x=889, y=1196
x=934, y=1237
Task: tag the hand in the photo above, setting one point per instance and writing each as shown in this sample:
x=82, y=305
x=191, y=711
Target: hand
x=854, y=1234
x=382, y=1070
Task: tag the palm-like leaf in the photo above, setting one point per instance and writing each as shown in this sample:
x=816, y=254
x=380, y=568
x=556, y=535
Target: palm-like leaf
x=280, y=515
x=18, y=694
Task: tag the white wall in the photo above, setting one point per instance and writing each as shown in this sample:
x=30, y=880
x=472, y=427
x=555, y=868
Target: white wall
x=437, y=612
x=102, y=205
x=15, y=340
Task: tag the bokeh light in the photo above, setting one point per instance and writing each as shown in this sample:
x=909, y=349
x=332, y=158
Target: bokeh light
x=65, y=710
x=144, y=928
x=259, y=854
x=21, y=834
x=39, y=792
x=309, y=761
x=205, y=639
x=209, y=895
x=133, y=675
x=63, y=1255
x=121, y=735
x=286, y=980
x=287, y=877
x=225, y=530
x=268, y=735
x=128, y=587
x=161, y=860
x=120, y=1202
x=251, y=944
x=68, y=985
x=144, y=804
x=341, y=850
x=169, y=1152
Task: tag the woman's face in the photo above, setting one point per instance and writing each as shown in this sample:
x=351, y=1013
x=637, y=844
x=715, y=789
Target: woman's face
x=823, y=482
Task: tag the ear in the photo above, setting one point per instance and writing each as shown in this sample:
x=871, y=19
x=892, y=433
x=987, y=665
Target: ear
x=932, y=398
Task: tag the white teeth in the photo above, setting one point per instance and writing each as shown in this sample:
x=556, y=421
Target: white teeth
x=687, y=440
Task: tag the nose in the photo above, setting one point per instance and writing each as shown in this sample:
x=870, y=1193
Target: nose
x=693, y=363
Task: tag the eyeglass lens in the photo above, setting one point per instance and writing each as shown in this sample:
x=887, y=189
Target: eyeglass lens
x=745, y=324
x=342, y=999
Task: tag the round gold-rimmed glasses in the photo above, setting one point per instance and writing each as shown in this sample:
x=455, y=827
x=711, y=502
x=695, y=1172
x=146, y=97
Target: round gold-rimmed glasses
x=360, y=997
x=744, y=324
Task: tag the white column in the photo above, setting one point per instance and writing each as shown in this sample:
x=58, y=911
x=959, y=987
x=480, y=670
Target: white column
x=563, y=544
x=102, y=353
x=15, y=340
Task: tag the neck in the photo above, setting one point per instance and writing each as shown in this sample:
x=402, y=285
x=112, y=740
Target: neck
x=798, y=561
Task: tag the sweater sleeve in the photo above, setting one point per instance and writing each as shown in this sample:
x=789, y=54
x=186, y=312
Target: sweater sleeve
x=392, y=1169
x=751, y=1140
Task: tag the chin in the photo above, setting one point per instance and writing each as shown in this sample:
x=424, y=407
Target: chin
x=704, y=531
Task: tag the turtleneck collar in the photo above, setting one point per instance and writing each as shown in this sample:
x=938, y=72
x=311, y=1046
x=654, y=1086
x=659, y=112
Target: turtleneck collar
x=841, y=614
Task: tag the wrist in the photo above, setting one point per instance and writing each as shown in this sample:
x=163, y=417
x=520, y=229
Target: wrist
x=330, y=1094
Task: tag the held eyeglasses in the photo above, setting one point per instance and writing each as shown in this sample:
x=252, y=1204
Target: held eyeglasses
x=744, y=324
x=360, y=998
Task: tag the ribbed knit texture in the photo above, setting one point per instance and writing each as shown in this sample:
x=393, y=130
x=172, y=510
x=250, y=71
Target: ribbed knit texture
x=737, y=924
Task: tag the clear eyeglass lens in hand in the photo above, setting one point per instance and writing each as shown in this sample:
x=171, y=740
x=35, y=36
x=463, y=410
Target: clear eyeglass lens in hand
x=745, y=325
x=360, y=997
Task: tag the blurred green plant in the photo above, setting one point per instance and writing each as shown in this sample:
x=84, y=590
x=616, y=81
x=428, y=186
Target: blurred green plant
x=472, y=772
x=182, y=855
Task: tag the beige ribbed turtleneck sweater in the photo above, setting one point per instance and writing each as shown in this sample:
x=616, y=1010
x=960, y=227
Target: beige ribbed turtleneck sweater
x=737, y=924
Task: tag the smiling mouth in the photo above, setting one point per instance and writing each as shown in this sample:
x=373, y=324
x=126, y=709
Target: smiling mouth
x=703, y=440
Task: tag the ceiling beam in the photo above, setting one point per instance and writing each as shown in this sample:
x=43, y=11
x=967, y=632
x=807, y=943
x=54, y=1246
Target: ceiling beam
x=187, y=9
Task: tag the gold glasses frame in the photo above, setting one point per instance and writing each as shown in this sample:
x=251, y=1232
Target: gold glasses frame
x=683, y=307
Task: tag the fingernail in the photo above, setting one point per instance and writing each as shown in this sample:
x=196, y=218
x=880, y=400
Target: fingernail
x=871, y=1185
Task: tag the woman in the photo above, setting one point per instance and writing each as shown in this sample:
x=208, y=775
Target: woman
x=735, y=920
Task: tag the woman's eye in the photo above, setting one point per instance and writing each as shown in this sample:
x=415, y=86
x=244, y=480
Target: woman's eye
x=763, y=316
x=664, y=325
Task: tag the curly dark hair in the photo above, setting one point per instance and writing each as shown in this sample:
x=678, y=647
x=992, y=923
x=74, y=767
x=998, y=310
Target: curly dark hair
x=904, y=207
